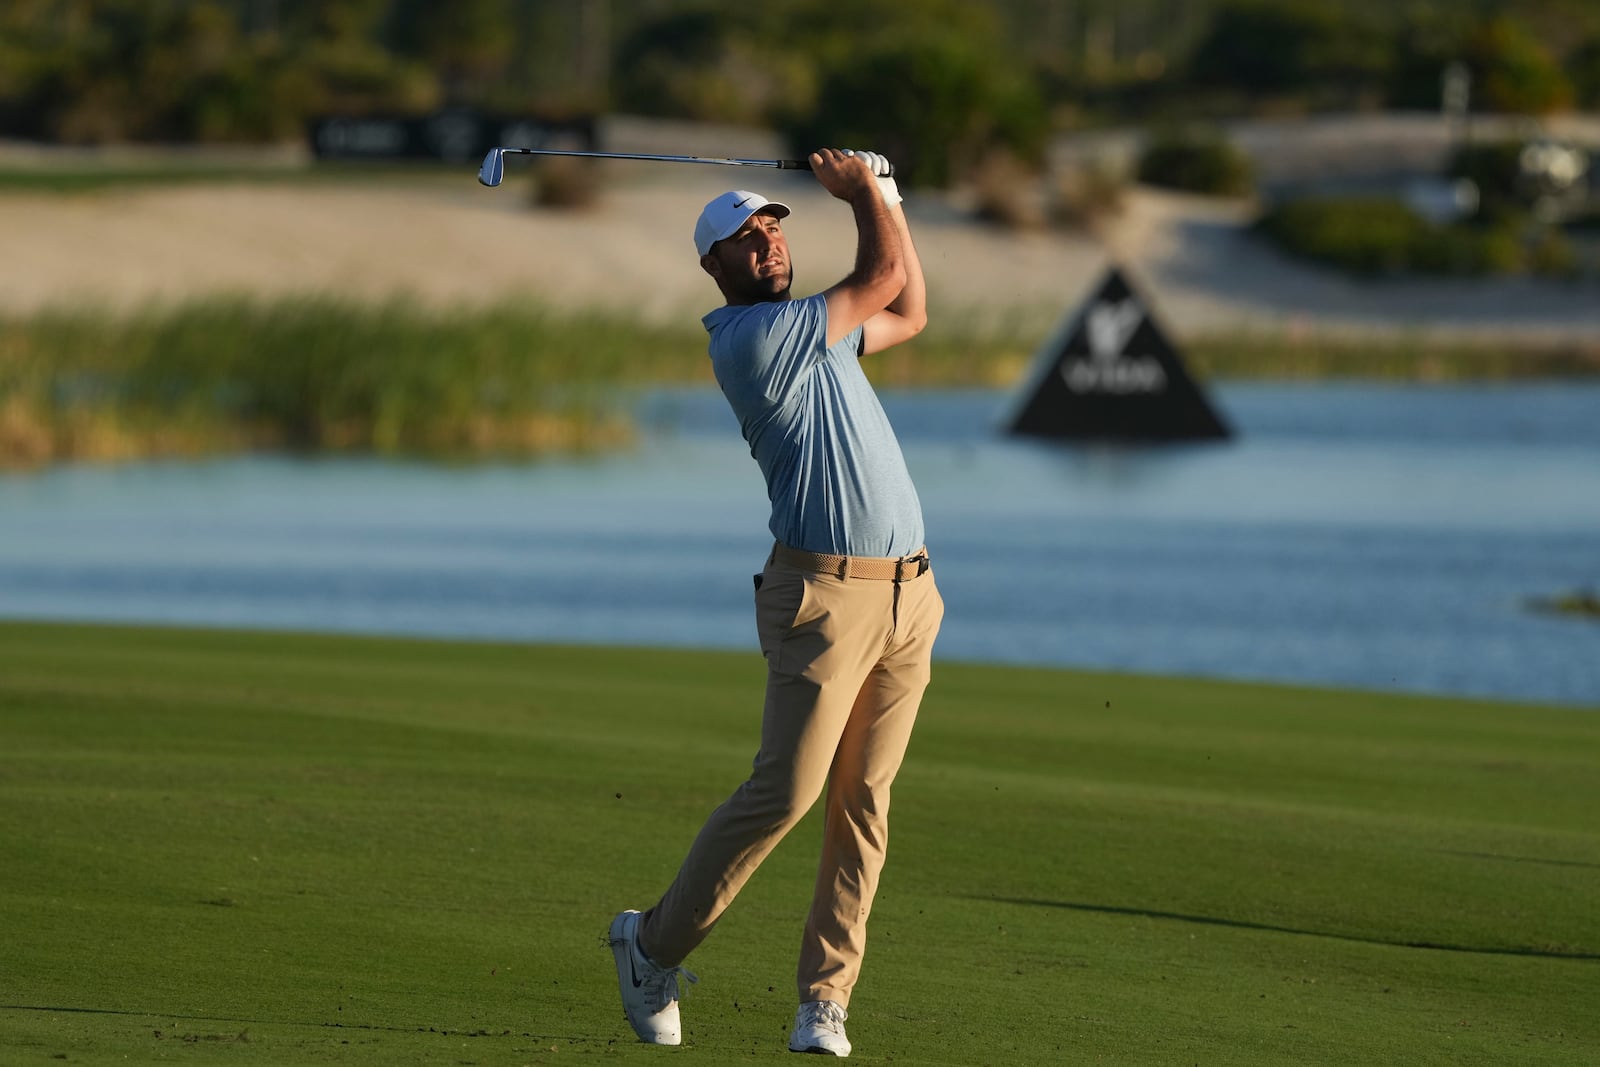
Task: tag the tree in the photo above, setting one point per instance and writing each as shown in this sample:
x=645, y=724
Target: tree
x=1513, y=72
x=1290, y=47
x=934, y=104
x=711, y=65
x=466, y=43
x=934, y=87
x=1426, y=46
x=1584, y=69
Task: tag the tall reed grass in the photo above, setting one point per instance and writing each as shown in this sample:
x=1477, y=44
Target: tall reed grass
x=318, y=374
x=315, y=374
x=322, y=374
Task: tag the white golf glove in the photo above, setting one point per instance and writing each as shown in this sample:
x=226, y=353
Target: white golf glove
x=879, y=165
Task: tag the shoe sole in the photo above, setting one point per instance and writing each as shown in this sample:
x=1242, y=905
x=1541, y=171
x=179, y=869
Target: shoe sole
x=818, y=1050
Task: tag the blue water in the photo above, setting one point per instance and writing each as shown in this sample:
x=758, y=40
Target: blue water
x=1363, y=536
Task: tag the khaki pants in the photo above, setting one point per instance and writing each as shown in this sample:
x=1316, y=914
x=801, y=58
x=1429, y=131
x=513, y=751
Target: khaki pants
x=847, y=662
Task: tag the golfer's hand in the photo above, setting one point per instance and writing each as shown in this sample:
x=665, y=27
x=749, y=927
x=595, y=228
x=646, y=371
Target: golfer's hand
x=882, y=172
x=842, y=173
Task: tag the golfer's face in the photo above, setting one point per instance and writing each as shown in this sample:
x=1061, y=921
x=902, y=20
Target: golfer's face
x=756, y=257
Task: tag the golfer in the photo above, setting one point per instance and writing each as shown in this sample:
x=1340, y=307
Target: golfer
x=846, y=607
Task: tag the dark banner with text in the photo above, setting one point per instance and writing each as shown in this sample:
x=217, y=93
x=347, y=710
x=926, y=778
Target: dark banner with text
x=449, y=136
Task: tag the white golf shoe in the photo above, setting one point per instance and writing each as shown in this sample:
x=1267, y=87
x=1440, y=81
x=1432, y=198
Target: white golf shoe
x=649, y=993
x=819, y=1027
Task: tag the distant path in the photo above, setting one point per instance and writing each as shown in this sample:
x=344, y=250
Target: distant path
x=447, y=244
x=1211, y=274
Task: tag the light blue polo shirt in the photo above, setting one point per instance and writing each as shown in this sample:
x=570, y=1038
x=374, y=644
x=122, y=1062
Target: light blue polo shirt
x=835, y=474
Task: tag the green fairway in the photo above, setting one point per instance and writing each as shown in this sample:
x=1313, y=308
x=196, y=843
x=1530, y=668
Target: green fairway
x=226, y=848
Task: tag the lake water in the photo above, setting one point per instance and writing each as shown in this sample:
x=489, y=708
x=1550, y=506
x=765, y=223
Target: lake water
x=1364, y=536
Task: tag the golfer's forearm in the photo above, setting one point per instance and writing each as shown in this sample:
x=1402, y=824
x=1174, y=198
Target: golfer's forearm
x=880, y=259
x=912, y=303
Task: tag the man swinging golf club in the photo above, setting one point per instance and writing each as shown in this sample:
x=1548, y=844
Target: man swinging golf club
x=846, y=607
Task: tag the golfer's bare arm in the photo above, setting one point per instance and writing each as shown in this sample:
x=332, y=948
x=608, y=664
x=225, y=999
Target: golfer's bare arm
x=879, y=276
x=907, y=313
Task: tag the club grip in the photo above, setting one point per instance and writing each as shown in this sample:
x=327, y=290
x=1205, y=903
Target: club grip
x=805, y=164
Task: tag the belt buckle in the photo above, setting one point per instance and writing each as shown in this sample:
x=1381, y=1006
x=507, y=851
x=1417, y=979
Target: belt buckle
x=920, y=559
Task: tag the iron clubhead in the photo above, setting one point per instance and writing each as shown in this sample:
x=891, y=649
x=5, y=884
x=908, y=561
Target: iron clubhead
x=493, y=171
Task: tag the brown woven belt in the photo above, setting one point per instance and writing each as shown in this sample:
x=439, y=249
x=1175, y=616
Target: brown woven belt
x=887, y=570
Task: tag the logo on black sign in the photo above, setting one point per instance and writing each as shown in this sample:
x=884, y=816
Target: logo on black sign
x=1110, y=325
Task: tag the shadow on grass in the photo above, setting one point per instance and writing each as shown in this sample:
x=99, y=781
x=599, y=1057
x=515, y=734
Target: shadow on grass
x=1237, y=924
x=1517, y=859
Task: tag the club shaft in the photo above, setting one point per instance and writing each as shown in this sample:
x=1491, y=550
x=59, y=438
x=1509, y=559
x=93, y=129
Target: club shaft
x=777, y=164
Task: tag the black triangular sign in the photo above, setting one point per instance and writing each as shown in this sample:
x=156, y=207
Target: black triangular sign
x=1111, y=374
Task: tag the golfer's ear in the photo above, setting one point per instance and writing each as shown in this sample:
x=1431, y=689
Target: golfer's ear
x=711, y=266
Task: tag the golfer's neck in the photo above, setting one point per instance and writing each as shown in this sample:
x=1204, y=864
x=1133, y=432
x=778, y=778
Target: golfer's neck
x=751, y=301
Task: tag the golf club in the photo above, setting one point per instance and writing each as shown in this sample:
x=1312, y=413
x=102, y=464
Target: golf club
x=493, y=171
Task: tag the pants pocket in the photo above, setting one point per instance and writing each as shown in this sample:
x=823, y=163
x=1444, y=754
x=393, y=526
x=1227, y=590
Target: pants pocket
x=780, y=596
x=794, y=618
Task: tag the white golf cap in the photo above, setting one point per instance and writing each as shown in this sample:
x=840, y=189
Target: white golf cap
x=727, y=213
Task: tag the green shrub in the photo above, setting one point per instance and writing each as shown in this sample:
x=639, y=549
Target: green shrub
x=1383, y=236
x=1196, y=162
x=1550, y=254
x=1365, y=236
x=1465, y=250
x=1084, y=196
x=566, y=182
